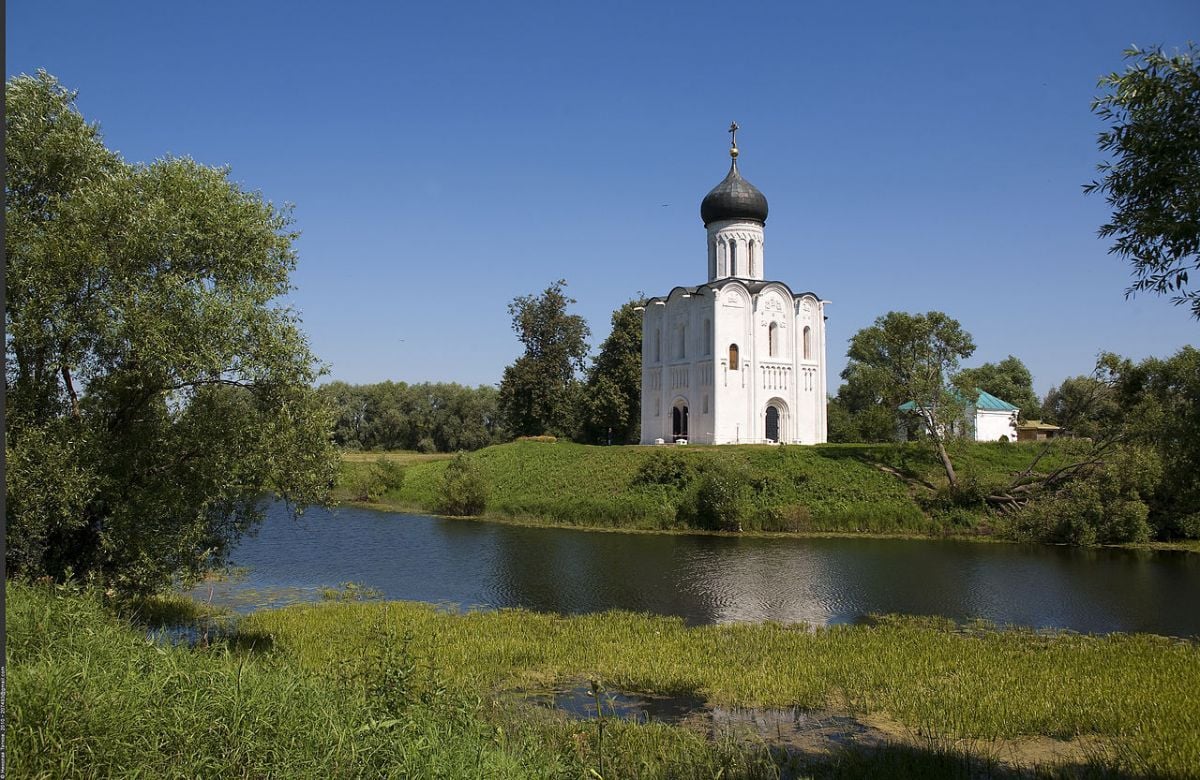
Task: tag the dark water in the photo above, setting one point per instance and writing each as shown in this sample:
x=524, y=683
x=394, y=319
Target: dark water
x=707, y=579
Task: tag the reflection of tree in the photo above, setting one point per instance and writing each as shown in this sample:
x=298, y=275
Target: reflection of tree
x=577, y=571
x=921, y=578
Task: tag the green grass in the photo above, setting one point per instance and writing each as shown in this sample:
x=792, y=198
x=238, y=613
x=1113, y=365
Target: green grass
x=403, y=457
x=354, y=689
x=827, y=488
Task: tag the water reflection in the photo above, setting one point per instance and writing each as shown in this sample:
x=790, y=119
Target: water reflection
x=707, y=579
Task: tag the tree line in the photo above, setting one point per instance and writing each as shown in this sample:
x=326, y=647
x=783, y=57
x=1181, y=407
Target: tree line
x=552, y=389
x=426, y=417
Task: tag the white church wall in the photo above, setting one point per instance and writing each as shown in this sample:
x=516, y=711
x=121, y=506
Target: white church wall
x=734, y=387
x=810, y=361
x=678, y=366
x=653, y=383
x=775, y=370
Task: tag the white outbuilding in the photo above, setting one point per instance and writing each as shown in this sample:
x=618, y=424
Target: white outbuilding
x=740, y=358
x=987, y=418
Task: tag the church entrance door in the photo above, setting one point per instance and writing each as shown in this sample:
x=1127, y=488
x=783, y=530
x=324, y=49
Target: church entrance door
x=679, y=423
x=772, y=423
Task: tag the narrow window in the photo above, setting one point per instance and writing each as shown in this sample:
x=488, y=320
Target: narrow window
x=657, y=346
x=733, y=357
x=712, y=259
x=681, y=346
x=750, y=258
x=807, y=343
x=708, y=337
x=733, y=258
x=773, y=339
x=706, y=404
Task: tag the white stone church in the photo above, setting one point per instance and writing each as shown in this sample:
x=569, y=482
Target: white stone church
x=739, y=359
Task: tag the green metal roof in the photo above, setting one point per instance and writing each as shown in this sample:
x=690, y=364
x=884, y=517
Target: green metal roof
x=985, y=401
x=992, y=403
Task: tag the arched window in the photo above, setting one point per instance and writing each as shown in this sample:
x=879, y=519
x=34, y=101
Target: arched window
x=657, y=346
x=773, y=339
x=807, y=343
x=681, y=343
x=712, y=259
x=733, y=270
x=733, y=357
x=750, y=258
x=708, y=337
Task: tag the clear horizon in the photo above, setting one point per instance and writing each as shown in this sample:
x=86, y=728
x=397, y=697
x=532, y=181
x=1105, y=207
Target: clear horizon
x=444, y=160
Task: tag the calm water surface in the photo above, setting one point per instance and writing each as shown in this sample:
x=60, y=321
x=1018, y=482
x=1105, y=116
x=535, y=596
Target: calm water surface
x=707, y=579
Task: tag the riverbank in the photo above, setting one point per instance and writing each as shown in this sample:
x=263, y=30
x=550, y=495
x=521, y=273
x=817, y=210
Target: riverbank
x=403, y=689
x=887, y=489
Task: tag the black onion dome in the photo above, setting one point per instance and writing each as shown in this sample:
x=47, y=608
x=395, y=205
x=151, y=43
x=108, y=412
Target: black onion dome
x=734, y=198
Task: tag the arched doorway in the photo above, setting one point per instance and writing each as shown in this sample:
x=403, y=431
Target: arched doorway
x=775, y=421
x=772, y=423
x=679, y=421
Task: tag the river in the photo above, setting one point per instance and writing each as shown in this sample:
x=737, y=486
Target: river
x=710, y=579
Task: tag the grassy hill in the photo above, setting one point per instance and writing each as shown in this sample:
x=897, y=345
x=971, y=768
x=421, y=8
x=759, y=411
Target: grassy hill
x=890, y=488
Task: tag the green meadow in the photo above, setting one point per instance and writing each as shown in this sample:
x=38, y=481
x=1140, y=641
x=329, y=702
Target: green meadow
x=373, y=689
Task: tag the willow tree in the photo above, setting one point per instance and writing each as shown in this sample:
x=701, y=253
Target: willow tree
x=155, y=389
x=919, y=355
x=1151, y=178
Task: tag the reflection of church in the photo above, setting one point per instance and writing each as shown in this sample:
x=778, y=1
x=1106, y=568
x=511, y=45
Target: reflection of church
x=739, y=358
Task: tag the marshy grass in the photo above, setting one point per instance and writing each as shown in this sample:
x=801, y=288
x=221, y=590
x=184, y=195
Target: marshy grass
x=90, y=696
x=1136, y=697
x=353, y=689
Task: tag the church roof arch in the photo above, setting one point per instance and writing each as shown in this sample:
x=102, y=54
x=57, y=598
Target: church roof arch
x=733, y=286
x=781, y=287
x=679, y=291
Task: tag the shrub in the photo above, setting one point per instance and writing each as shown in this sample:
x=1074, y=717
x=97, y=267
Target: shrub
x=786, y=518
x=1102, y=506
x=426, y=446
x=667, y=468
x=722, y=499
x=547, y=439
x=464, y=488
x=369, y=484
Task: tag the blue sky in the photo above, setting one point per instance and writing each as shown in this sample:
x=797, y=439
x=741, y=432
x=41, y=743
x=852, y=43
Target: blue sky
x=444, y=158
